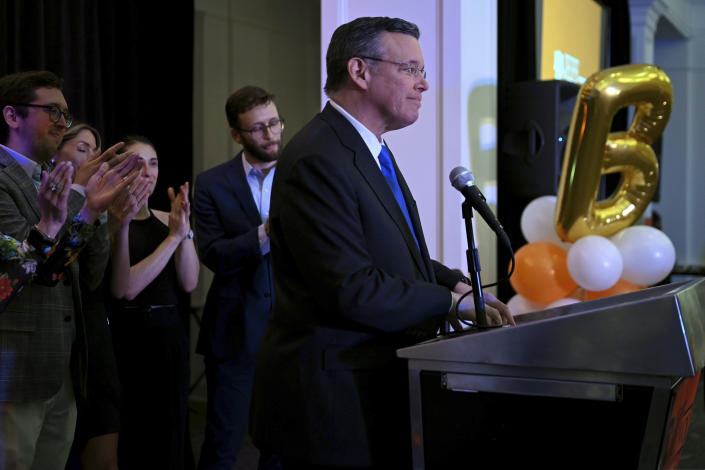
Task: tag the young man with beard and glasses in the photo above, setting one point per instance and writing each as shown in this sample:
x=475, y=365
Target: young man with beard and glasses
x=42, y=341
x=353, y=276
x=231, y=204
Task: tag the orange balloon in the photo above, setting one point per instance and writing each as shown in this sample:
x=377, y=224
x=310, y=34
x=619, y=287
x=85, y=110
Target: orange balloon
x=541, y=273
x=621, y=287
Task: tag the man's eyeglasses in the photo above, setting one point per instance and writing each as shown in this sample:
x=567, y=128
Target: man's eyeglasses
x=275, y=126
x=412, y=69
x=54, y=112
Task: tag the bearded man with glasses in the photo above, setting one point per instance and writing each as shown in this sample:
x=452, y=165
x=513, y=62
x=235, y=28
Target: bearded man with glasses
x=231, y=204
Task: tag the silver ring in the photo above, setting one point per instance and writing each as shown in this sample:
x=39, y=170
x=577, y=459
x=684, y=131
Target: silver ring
x=53, y=188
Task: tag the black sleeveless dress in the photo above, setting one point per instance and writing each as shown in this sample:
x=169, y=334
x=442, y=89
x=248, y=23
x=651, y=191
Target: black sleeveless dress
x=151, y=351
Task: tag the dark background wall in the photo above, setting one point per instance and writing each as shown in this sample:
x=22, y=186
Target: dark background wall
x=127, y=67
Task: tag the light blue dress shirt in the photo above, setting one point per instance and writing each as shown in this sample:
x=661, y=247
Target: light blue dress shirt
x=261, y=189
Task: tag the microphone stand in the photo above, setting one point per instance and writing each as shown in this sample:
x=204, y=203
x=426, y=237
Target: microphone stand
x=474, y=267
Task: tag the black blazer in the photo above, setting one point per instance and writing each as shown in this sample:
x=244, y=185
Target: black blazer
x=241, y=295
x=350, y=284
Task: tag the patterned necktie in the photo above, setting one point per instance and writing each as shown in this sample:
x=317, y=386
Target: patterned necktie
x=385, y=162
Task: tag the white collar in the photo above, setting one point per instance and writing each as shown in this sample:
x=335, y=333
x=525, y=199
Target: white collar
x=371, y=141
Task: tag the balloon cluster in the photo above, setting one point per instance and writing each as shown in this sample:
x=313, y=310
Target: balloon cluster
x=608, y=255
x=550, y=272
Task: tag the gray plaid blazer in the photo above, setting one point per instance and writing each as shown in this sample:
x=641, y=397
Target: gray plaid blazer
x=37, y=330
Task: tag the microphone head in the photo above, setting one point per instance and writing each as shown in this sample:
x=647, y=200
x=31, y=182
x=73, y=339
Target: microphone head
x=461, y=177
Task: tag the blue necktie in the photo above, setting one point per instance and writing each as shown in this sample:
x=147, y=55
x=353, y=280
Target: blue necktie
x=385, y=162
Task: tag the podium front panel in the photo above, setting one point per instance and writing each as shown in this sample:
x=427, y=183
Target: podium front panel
x=598, y=374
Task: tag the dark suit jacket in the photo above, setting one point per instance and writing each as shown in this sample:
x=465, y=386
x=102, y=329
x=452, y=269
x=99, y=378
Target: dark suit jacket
x=240, y=298
x=350, y=283
x=37, y=329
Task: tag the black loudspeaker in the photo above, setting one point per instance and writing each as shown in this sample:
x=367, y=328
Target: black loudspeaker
x=534, y=123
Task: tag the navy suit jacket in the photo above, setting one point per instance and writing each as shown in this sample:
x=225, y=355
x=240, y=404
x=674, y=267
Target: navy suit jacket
x=350, y=284
x=240, y=298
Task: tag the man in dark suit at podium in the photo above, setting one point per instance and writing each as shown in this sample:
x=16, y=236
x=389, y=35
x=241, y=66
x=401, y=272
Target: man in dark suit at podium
x=352, y=273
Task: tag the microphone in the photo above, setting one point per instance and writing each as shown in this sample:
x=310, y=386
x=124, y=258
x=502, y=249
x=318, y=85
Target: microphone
x=461, y=178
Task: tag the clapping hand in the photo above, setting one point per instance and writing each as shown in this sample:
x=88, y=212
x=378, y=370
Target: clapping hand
x=179, y=223
x=53, y=196
x=93, y=163
x=105, y=184
x=127, y=203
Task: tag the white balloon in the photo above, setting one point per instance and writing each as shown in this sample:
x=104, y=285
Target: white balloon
x=594, y=263
x=562, y=302
x=519, y=304
x=647, y=253
x=537, y=221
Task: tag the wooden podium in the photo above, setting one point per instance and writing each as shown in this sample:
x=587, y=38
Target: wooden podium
x=607, y=383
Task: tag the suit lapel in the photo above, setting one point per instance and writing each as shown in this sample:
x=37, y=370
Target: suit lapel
x=365, y=163
x=415, y=219
x=241, y=188
x=16, y=173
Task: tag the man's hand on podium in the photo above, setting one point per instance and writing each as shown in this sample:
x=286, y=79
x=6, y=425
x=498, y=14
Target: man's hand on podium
x=496, y=312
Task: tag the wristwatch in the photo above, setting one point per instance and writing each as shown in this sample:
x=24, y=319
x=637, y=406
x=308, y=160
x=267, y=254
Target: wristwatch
x=189, y=235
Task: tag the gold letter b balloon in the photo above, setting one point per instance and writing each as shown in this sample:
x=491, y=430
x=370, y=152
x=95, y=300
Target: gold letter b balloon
x=592, y=151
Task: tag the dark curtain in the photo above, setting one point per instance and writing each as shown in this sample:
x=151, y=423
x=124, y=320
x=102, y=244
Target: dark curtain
x=127, y=67
x=516, y=62
x=619, y=31
x=516, y=42
x=619, y=47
